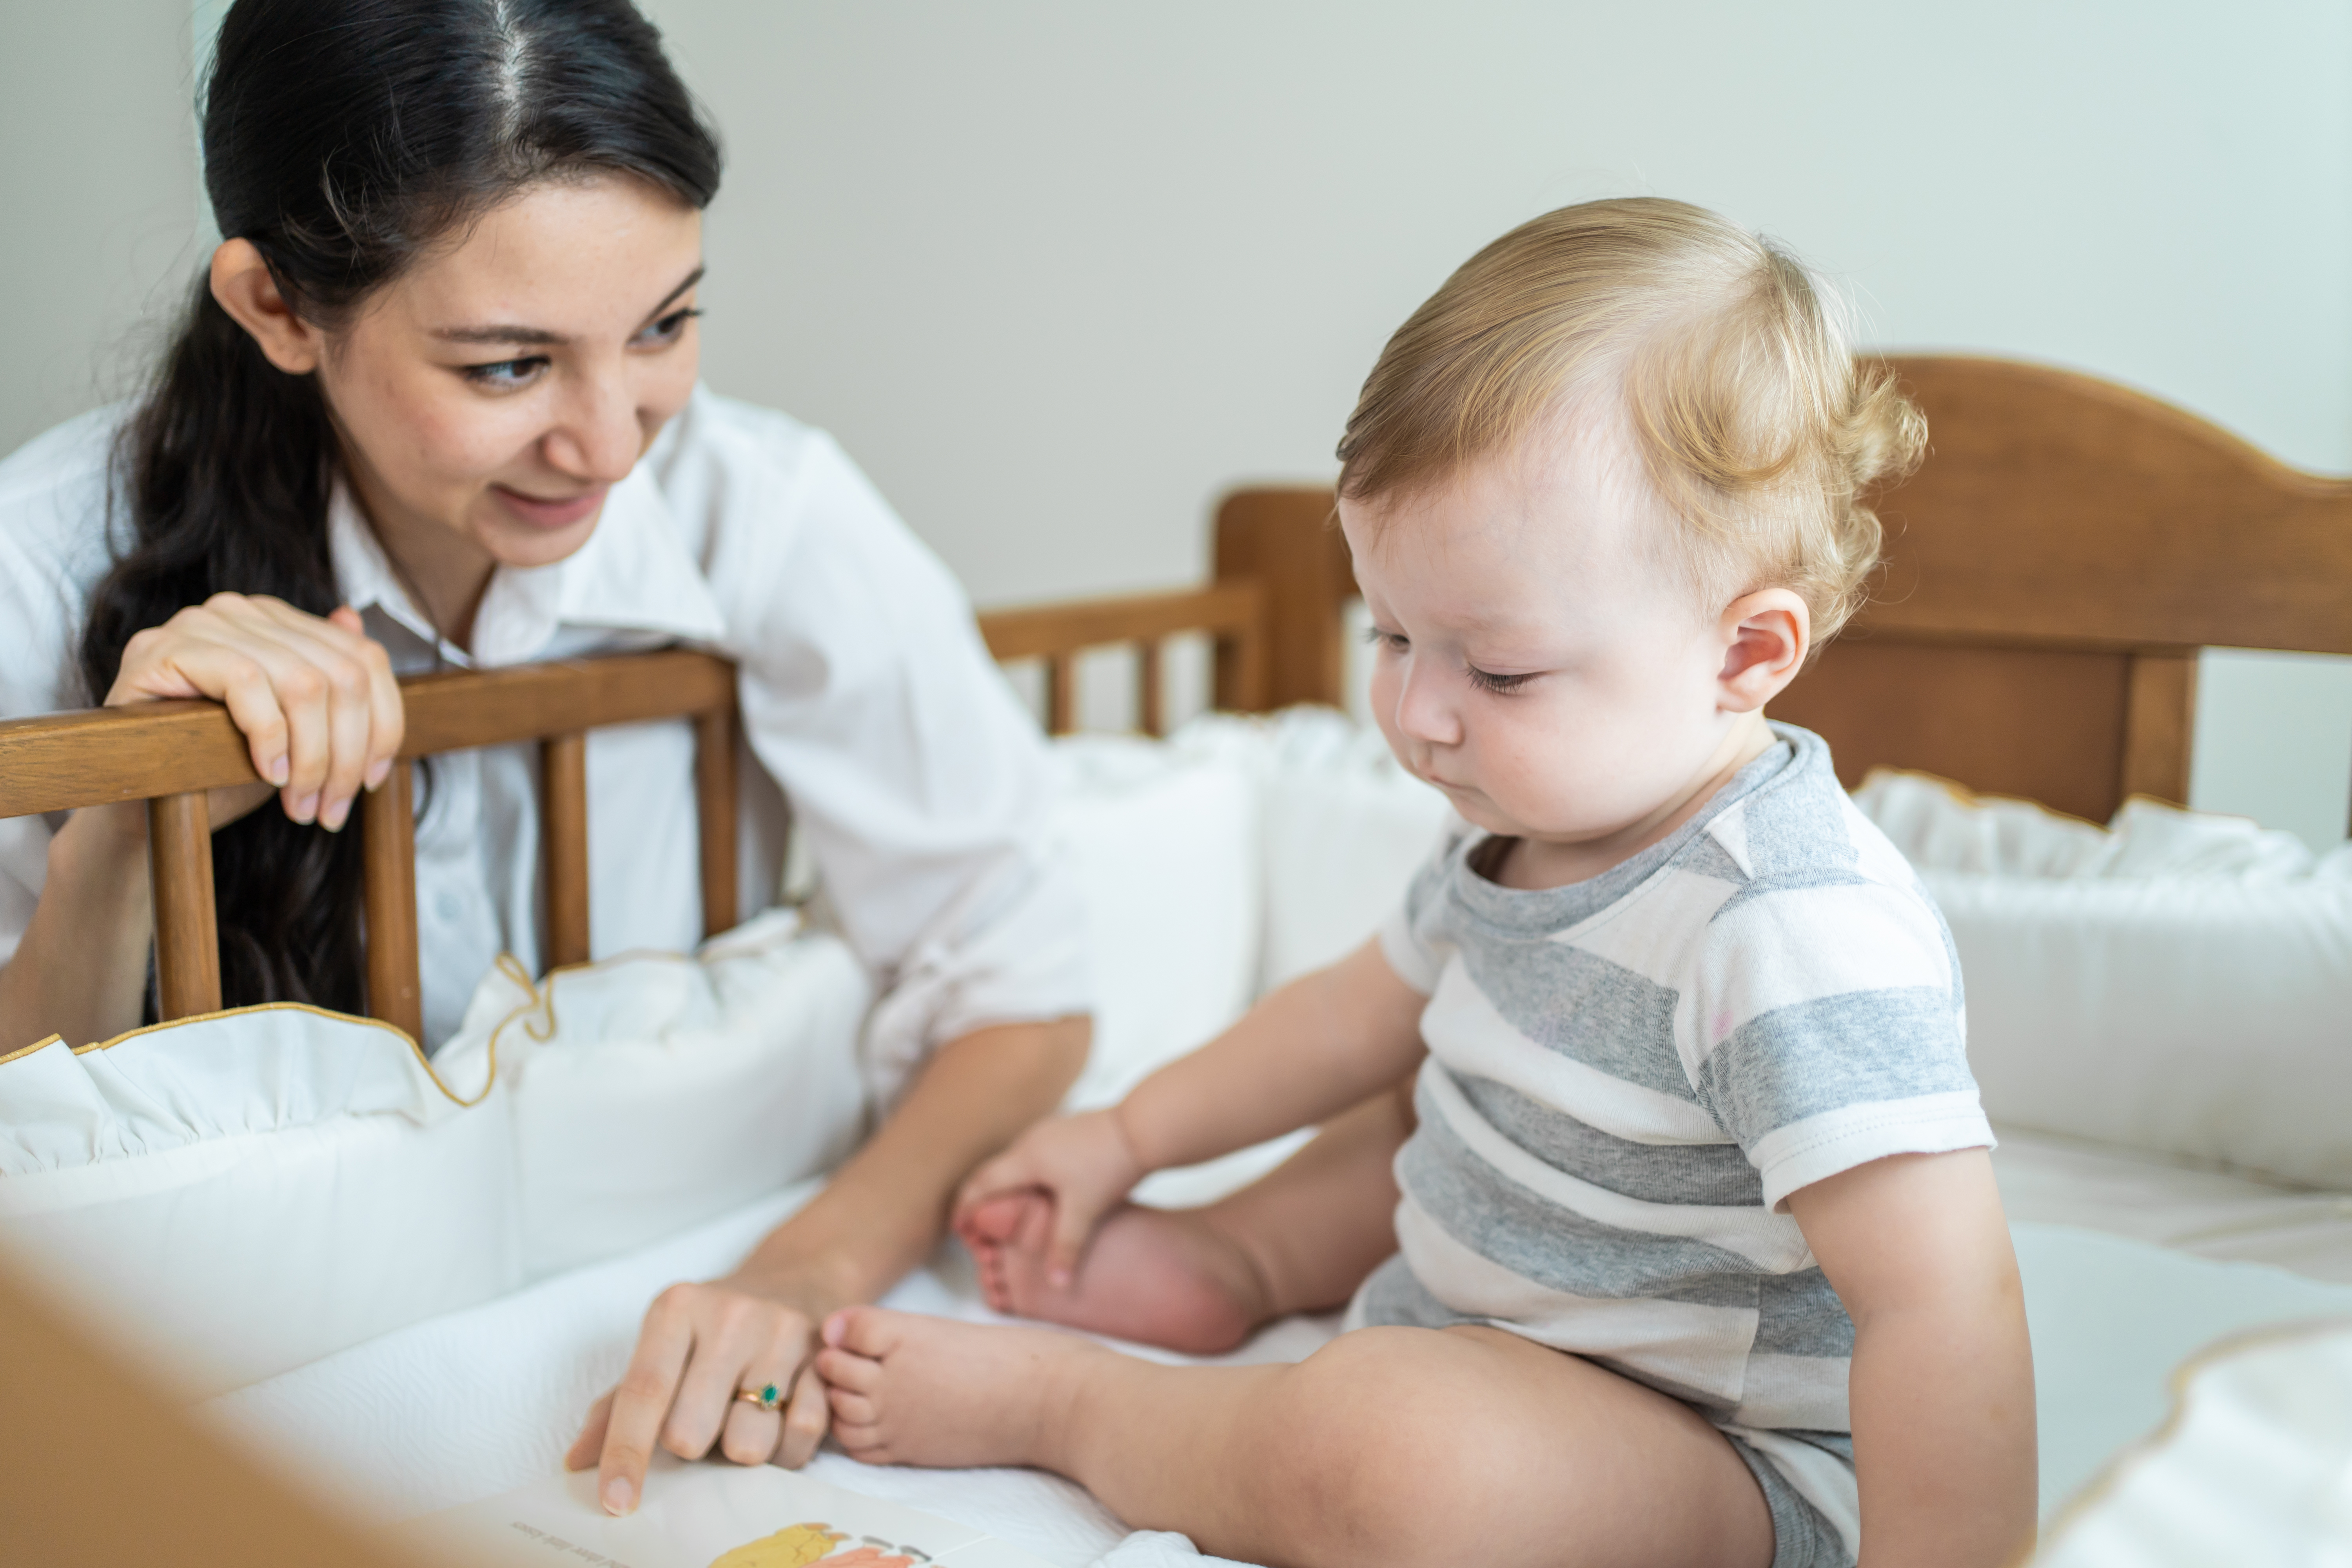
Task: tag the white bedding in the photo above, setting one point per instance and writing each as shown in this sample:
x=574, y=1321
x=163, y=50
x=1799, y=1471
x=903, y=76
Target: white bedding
x=2130, y=1264
x=479, y=1402
x=2209, y=1213
x=2131, y=1260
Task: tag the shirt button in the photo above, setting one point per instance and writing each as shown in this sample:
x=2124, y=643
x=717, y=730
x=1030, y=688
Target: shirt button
x=449, y=906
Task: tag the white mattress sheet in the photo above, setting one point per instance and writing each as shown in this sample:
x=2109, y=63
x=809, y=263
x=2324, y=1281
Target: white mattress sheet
x=2131, y=1262
x=2206, y=1212
x=480, y=1402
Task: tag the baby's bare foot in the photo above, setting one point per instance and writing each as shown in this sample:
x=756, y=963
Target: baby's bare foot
x=909, y=1390
x=987, y=1230
x=1158, y=1277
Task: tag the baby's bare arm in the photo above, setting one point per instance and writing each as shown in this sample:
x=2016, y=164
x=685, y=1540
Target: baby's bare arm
x=1324, y=1041
x=1942, y=1389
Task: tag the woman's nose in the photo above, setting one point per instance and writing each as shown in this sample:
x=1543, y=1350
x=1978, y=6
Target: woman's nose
x=597, y=436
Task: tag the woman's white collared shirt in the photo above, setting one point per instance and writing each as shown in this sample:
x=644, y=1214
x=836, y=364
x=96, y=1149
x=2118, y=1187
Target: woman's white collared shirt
x=918, y=783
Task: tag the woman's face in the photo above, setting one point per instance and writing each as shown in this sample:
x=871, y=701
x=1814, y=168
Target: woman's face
x=496, y=390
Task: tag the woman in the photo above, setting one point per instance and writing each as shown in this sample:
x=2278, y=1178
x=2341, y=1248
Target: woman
x=435, y=402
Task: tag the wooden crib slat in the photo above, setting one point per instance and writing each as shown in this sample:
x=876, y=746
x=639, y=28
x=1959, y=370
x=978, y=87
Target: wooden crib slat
x=388, y=852
x=716, y=797
x=1061, y=694
x=2159, y=724
x=564, y=845
x=1240, y=670
x=187, y=942
x=1147, y=714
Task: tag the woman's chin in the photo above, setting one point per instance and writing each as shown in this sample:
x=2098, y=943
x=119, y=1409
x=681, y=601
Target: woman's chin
x=523, y=546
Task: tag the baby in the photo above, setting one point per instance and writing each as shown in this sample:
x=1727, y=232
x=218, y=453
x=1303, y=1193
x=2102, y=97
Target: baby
x=1692, y=1250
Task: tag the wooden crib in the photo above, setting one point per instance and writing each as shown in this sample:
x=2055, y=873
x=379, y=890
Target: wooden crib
x=2053, y=570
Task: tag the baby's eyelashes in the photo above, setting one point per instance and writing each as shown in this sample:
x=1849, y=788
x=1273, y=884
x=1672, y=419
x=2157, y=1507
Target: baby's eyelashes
x=1486, y=680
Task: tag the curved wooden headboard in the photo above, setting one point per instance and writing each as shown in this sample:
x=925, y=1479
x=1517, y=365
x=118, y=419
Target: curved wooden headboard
x=2051, y=570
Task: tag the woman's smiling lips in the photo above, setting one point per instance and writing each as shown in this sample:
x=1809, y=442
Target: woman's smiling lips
x=560, y=512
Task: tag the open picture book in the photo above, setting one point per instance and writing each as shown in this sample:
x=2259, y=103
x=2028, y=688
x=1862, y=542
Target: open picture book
x=703, y=1516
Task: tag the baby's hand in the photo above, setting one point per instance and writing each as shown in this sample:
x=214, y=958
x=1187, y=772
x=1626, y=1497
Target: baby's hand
x=1084, y=1164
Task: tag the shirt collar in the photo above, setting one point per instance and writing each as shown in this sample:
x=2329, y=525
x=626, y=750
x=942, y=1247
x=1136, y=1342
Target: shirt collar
x=633, y=574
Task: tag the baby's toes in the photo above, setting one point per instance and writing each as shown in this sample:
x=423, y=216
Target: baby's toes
x=844, y=1372
x=1033, y=1236
x=868, y=1331
x=996, y=1282
x=862, y=1444
x=851, y=1409
x=997, y=1219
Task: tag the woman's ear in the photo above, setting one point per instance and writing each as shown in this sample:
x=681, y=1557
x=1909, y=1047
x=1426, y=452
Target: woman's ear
x=1766, y=637
x=242, y=284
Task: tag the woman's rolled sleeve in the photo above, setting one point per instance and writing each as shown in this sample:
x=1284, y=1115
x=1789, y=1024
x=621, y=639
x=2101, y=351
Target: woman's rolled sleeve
x=922, y=788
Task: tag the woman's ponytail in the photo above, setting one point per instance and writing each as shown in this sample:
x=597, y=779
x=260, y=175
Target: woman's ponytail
x=226, y=468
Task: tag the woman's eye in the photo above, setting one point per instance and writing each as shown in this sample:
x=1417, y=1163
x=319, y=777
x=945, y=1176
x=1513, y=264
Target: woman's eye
x=1393, y=642
x=666, y=330
x=1486, y=681
x=507, y=373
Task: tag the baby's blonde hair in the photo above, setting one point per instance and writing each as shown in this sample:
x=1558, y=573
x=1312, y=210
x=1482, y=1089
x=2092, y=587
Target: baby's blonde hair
x=1732, y=364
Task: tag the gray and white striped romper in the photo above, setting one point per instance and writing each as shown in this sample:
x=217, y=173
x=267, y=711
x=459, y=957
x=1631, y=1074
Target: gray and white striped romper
x=1627, y=1075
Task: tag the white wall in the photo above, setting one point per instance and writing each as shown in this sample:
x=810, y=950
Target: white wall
x=2274, y=741
x=1059, y=273
x=96, y=168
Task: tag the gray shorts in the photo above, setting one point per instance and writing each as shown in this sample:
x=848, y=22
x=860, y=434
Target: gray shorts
x=1801, y=1538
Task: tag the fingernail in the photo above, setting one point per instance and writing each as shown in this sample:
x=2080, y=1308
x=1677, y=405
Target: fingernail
x=379, y=771
x=275, y=771
x=831, y=1331
x=337, y=813
x=620, y=1497
x=1061, y=1278
x=306, y=808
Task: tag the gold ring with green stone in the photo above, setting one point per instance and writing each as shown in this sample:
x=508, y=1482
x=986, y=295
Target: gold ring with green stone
x=767, y=1396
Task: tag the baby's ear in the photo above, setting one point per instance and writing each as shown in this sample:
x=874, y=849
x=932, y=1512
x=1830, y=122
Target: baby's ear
x=1765, y=636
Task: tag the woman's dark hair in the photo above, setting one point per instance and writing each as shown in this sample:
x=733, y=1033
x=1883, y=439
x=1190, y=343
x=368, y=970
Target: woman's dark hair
x=343, y=137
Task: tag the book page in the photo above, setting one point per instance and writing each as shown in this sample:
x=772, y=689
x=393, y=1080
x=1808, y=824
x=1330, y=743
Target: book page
x=712, y=1515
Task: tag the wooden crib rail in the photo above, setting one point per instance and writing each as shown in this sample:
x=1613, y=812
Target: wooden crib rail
x=1273, y=611
x=170, y=753
x=1232, y=613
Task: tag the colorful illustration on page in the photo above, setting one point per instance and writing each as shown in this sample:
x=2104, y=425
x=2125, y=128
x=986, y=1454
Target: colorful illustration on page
x=798, y=1545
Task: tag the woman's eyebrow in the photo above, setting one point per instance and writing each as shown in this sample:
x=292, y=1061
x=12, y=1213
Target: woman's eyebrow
x=499, y=334
x=540, y=336
x=671, y=297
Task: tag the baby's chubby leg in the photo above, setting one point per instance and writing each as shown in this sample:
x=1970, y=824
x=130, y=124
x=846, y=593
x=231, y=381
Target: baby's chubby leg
x=1402, y=1446
x=1300, y=1238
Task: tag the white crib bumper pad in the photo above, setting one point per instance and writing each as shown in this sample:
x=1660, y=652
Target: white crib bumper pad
x=294, y=1181
x=256, y=1070
x=276, y=1183
x=2175, y=981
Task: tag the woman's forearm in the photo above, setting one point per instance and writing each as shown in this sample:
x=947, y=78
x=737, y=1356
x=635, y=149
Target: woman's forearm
x=81, y=969
x=885, y=1210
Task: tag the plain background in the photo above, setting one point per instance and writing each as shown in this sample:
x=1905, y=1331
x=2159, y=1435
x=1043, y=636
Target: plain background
x=1059, y=274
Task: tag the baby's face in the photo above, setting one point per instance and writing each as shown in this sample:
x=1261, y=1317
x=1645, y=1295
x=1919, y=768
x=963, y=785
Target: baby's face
x=1559, y=682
